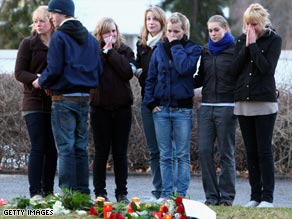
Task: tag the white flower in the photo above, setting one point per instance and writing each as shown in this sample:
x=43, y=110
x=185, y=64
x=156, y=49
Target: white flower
x=81, y=212
x=177, y=215
x=66, y=211
x=134, y=214
x=58, y=205
x=59, y=209
x=170, y=204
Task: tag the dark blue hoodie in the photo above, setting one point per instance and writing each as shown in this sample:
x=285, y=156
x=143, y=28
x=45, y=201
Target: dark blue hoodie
x=74, y=63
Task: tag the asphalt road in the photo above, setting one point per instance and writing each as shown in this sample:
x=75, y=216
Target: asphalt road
x=139, y=185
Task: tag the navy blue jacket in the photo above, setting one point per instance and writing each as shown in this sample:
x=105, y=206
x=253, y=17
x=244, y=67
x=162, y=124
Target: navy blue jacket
x=74, y=63
x=170, y=76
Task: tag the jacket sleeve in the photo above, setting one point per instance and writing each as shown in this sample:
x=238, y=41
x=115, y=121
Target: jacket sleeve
x=138, y=57
x=55, y=67
x=22, y=63
x=199, y=78
x=120, y=61
x=151, y=82
x=185, y=58
x=266, y=61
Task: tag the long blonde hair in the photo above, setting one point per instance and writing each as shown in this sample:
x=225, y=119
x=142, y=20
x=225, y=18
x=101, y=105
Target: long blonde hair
x=103, y=26
x=160, y=16
x=256, y=13
x=41, y=13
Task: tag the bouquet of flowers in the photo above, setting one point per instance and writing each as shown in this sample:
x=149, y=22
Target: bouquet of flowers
x=172, y=208
x=70, y=202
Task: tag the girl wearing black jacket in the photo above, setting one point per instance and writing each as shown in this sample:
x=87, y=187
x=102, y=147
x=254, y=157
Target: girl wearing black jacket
x=216, y=121
x=111, y=113
x=257, y=53
x=36, y=105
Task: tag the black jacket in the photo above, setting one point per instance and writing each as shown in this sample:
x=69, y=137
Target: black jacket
x=32, y=60
x=254, y=67
x=143, y=57
x=216, y=77
x=114, y=90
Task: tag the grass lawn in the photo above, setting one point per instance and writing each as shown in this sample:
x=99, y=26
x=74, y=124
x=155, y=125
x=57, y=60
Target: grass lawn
x=252, y=213
x=235, y=212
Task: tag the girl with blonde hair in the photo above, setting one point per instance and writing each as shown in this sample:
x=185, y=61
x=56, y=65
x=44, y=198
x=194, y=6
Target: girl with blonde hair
x=169, y=95
x=36, y=105
x=111, y=113
x=257, y=53
x=153, y=31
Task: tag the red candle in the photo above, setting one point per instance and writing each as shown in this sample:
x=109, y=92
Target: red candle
x=130, y=209
x=107, y=209
x=167, y=216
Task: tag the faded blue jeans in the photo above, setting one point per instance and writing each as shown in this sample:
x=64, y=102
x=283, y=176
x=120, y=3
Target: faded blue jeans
x=174, y=124
x=217, y=124
x=149, y=130
x=69, y=124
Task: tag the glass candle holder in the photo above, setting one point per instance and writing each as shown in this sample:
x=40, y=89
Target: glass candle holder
x=107, y=209
x=167, y=216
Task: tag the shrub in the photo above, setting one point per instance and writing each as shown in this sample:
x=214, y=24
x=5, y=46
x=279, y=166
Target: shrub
x=14, y=143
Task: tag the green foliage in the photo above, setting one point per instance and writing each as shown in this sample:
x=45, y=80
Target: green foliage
x=15, y=20
x=143, y=210
x=75, y=200
x=22, y=202
x=198, y=13
x=70, y=200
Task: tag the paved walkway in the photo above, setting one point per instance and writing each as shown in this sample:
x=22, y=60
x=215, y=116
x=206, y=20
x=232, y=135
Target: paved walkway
x=139, y=185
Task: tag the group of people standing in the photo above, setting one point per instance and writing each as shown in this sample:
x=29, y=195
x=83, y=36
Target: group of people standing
x=69, y=74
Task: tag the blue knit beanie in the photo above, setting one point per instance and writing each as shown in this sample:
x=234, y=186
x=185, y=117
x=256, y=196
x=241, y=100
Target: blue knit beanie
x=62, y=7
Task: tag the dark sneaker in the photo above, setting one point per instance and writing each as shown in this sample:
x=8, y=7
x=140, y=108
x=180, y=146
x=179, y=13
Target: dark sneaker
x=225, y=204
x=122, y=198
x=210, y=203
x=103, y=196
x=156, y=194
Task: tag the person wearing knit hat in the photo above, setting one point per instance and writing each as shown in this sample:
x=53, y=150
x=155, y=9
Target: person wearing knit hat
x=66, y=7
x=74, y=67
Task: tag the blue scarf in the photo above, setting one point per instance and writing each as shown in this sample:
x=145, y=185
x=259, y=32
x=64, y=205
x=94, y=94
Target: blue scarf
x=217, y=47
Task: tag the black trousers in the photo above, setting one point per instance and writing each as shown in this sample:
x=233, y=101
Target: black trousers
x=111, y=129
x=257, y=132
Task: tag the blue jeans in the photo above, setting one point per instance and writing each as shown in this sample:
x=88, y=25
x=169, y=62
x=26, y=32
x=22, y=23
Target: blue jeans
x=42, y=160
x=174, y=124
x=111, y=129
x=217, y=124
x=69, y=123
x=149, y=130
x=257, y=133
